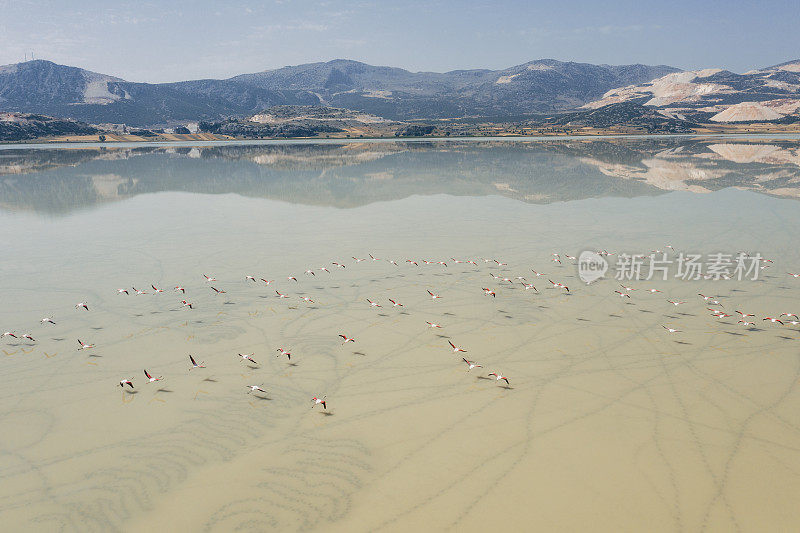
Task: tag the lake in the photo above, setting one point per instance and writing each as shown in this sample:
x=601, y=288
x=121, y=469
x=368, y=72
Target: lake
x=609, y=420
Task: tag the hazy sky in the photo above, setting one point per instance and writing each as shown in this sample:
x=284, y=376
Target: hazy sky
x=174, y=40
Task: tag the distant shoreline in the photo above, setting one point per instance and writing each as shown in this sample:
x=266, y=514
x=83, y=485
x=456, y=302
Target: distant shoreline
x=113, y=139
x=191, y=140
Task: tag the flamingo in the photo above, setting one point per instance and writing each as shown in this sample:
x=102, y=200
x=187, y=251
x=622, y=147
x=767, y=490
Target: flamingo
x=81, y=304
x=773, y=320
x=248, y=357
x=455, y=348
x=8, y=334
x=671, y=330
x=187, y=304
x=156, y=289
x=209, y=278
x=29, y=337
x=280, y=295
x=179, y=288
x=432, y=324
x=281, y=352
x=151, y=379
x=558, y=285
x=84, y=345
x=434, y=296
x=218, y=291
x=347, y=339
x=489, y=292
x=47, y=319
x=395, y=304
x=373, y=304
x=676, y=302
x=471, y=364
x=318, y=401
x=255, y=388
x=202, y=364
x=498, y=377
x=250, y=278
x=124, y=382
x=121, y=291
x=623, y=294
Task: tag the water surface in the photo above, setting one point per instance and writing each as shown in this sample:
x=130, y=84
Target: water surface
x=609, y=422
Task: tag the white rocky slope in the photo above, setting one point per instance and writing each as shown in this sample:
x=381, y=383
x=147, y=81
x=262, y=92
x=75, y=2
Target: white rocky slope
x=719, y=95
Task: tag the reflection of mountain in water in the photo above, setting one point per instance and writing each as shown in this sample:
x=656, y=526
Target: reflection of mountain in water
x=352, y=174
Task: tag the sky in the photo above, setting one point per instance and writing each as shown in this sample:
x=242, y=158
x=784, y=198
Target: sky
x=155, y=41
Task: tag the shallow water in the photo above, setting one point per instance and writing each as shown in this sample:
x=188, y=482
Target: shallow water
x=609, y=422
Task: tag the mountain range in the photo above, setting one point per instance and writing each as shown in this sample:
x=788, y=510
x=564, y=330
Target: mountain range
x=541, y=86
x=666, y=97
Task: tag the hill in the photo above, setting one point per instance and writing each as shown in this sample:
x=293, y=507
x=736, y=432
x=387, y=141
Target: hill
x=715, y=95
x=546, y=85
x=538, y=86
x=624, y=115
x=46, y=88
x=23, y=127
